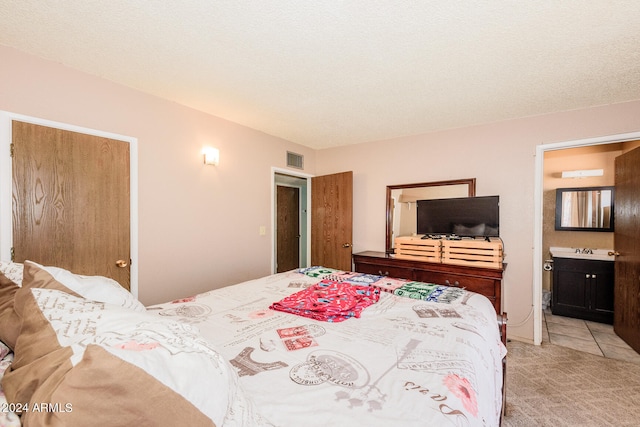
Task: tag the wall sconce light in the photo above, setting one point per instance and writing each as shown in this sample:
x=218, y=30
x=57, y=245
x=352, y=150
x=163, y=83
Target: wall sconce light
x=211, y=156
x=582, y=173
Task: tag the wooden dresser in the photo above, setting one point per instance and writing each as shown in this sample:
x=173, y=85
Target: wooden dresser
x=485, y=281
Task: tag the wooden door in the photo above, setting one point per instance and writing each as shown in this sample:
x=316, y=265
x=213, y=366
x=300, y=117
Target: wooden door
x=331, y=220
x=71, y=201
x=288, y=228
x=626, y=314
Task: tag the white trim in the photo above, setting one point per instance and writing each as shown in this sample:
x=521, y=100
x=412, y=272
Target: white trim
x=306, y=176
x=6, y=229
x=537, y=226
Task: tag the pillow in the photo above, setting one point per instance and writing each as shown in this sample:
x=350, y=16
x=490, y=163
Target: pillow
x=95, y=288
x=9, y=321
x=13, y=271
x=107, y=365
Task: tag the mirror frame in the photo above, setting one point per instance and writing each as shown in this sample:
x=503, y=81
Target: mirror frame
x=471, y=182
x=560, y=191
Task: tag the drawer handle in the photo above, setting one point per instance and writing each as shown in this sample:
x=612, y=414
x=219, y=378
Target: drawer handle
x=380, y=273
x=456, y=283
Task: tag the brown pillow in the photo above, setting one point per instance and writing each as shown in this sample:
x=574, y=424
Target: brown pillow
x=9, y=320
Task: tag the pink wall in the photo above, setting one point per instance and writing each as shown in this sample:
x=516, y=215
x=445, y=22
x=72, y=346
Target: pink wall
x=198, y=225
x=501, y=156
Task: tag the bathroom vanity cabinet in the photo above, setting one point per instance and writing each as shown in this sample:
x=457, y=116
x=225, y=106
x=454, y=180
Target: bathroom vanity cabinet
x=583, y=289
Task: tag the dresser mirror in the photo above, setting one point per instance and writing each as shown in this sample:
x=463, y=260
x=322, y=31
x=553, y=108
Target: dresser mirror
x=584, y=209
x=401, y=203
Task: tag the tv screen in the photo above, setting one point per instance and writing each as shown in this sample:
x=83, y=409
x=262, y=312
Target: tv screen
x=464, y=216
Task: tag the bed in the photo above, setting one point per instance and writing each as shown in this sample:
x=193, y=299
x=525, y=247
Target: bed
x=376, y=351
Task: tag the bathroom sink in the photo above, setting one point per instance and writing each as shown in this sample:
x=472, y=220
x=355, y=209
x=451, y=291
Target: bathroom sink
x=579, y=253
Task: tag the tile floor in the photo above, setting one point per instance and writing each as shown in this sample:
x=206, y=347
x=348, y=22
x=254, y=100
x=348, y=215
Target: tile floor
x=583, y=335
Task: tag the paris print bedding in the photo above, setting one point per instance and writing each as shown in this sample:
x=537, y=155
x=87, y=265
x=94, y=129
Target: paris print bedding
x=411, y=354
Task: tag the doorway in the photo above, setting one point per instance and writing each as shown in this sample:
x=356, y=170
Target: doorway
x=291, y=222
x=287, y=228
x=538, y=260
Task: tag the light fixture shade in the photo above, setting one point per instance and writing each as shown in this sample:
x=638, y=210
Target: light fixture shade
x=211, y=156
x=584, y=173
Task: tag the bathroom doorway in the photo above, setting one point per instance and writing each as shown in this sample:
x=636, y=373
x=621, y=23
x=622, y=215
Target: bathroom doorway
x=542, y=204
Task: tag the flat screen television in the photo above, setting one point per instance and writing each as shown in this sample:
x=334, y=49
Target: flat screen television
x=463, y=216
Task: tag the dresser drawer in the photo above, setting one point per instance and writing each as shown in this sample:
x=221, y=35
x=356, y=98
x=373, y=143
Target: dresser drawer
x=484, y=286
x=384, y=270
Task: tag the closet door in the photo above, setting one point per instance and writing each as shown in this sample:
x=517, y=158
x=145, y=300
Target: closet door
x=332, y=220
x=71, y=201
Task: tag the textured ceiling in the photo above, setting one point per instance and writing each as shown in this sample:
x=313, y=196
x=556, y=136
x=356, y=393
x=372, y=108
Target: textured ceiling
x=330, y=72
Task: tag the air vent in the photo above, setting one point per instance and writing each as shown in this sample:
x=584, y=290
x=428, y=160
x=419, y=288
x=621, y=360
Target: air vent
x=295, y=160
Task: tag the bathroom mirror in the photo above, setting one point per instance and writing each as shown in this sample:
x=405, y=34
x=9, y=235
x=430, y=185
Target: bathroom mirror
x=584, y=209
x=401, y=203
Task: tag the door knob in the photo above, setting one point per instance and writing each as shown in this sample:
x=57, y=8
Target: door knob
x=121, y=263
x=346, y=245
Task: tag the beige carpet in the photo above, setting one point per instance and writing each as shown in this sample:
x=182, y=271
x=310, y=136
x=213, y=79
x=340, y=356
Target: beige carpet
x=549, y=385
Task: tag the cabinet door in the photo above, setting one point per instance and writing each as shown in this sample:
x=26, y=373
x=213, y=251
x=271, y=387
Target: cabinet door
x=570, y=291
x=602, y=283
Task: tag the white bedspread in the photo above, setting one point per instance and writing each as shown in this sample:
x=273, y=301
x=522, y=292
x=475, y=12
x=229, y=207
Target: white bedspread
x=404, y=362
